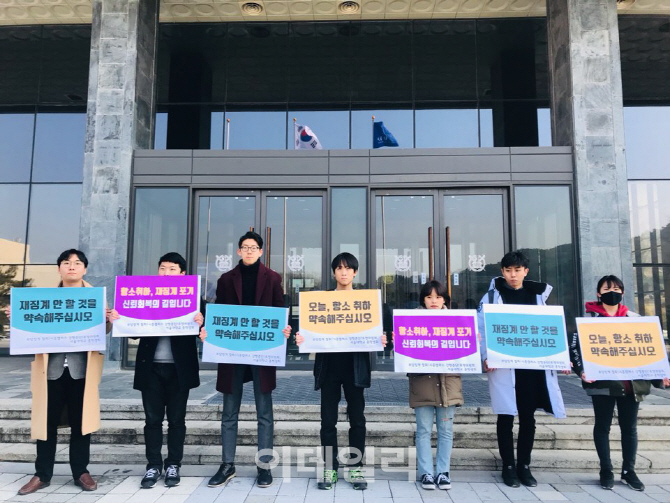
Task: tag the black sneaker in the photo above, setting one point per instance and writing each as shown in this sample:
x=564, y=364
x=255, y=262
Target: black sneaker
x=443, y=481
x=224, y=474
x=150, y=478
x=355, y=476
x=172, y=477
x=264, y=478
x=509, y=476
x=329, y=480
x=629, y=477
x=606, y=479
x=427, y=481
x=525, y=477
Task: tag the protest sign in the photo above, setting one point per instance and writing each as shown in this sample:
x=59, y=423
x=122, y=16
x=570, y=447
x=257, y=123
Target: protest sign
x=526, y=337
x=57, y=320
x=341, y=321
x=245, y=335
x=622, y=348
x=156, y=305
x=438, y=341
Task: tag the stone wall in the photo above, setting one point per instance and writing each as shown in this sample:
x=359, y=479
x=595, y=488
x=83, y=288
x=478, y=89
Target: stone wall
x=120, y=119
x=587, y=106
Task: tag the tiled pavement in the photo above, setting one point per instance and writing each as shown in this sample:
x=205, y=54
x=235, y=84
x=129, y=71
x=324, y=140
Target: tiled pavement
x=293, y=387
x=121, y=485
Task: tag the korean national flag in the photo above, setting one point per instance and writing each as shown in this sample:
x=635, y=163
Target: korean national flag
x=305, y=138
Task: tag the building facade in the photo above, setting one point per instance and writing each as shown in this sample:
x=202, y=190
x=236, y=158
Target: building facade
x=132, y=128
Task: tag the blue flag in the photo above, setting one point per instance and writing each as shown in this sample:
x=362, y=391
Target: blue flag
x=382, y=137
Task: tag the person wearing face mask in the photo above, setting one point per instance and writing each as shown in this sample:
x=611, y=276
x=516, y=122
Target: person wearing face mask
x=605, y=394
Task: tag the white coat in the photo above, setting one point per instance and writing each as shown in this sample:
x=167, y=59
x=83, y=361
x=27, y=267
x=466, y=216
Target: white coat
x=502, y=381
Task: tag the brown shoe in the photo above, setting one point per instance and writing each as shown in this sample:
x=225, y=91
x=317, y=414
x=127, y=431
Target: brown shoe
x=86, y=482
x=34, y=484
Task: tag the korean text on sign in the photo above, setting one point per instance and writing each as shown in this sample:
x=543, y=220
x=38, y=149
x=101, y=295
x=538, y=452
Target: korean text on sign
x=156, y=305
x=439, y=341
x=622, y=348
x=341, y=321
x=57, y=320
x=245, y=335
x=526, y=337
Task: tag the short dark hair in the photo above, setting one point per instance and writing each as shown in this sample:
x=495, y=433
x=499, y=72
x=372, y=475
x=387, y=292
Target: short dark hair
x=346, y=259
x=439, y=288
x=610, y=281
x=251, y=235
x=68, y=253
x=514, y=259
x=173, y=258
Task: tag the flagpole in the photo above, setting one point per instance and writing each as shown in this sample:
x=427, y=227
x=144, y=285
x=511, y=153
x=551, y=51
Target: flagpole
x=294, y=137
x=373, y=131
x=227, y=134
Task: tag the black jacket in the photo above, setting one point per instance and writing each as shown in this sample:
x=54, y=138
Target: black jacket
x=184, y=353
x=641, y=387
x=362, y=370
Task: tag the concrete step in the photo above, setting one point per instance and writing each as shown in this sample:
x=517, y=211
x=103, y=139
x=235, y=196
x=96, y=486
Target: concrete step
x=306, y=434
x=393, y=459
x=652, y=415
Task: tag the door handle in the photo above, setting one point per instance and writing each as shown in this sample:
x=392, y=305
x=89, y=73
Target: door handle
x=268, y=246
x=447, y=248
x=430, y=254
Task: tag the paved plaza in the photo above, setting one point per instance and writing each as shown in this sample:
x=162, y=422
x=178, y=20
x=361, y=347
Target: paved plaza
x=121, y=485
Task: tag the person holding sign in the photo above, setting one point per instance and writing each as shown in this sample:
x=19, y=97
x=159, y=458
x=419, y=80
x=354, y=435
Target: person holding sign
x=250, y=283
x=605, y=394
x=434, y=396
x=166, y=369
x=70, y=381
x=519, y=391
x=333, y=372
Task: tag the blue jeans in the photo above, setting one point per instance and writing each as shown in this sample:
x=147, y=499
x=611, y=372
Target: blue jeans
x=445, y=438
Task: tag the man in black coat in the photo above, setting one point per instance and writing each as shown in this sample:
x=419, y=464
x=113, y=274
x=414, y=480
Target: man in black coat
x=250, y=283
x=166, y=369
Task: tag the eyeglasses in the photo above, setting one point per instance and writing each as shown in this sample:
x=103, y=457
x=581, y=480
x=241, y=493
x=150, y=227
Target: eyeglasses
x=250, y=248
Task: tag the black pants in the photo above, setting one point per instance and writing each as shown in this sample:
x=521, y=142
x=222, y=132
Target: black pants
x=64, y=392
x=161, y=396
x=627, y=407
x=531, y=394
x=330, y=399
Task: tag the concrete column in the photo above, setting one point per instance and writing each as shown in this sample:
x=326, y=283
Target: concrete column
x=587, y=114
x=120, y=118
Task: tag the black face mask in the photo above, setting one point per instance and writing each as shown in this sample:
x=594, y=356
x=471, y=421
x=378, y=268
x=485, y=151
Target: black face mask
x=611, y=298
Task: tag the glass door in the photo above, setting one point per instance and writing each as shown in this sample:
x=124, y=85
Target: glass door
x=473, y=240
x=221, y=220
x=291, y=225
x=455, y=236
x=404, y=253
x=294, y=237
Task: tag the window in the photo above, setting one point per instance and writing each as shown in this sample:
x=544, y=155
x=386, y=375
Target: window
x=544, y=233
x=161, y=219
x=54, y=221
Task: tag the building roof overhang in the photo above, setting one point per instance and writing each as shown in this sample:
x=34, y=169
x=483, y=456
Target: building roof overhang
x=31, y=12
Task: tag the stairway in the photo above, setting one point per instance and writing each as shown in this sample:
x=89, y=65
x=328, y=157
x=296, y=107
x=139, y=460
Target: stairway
x=565, y=445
